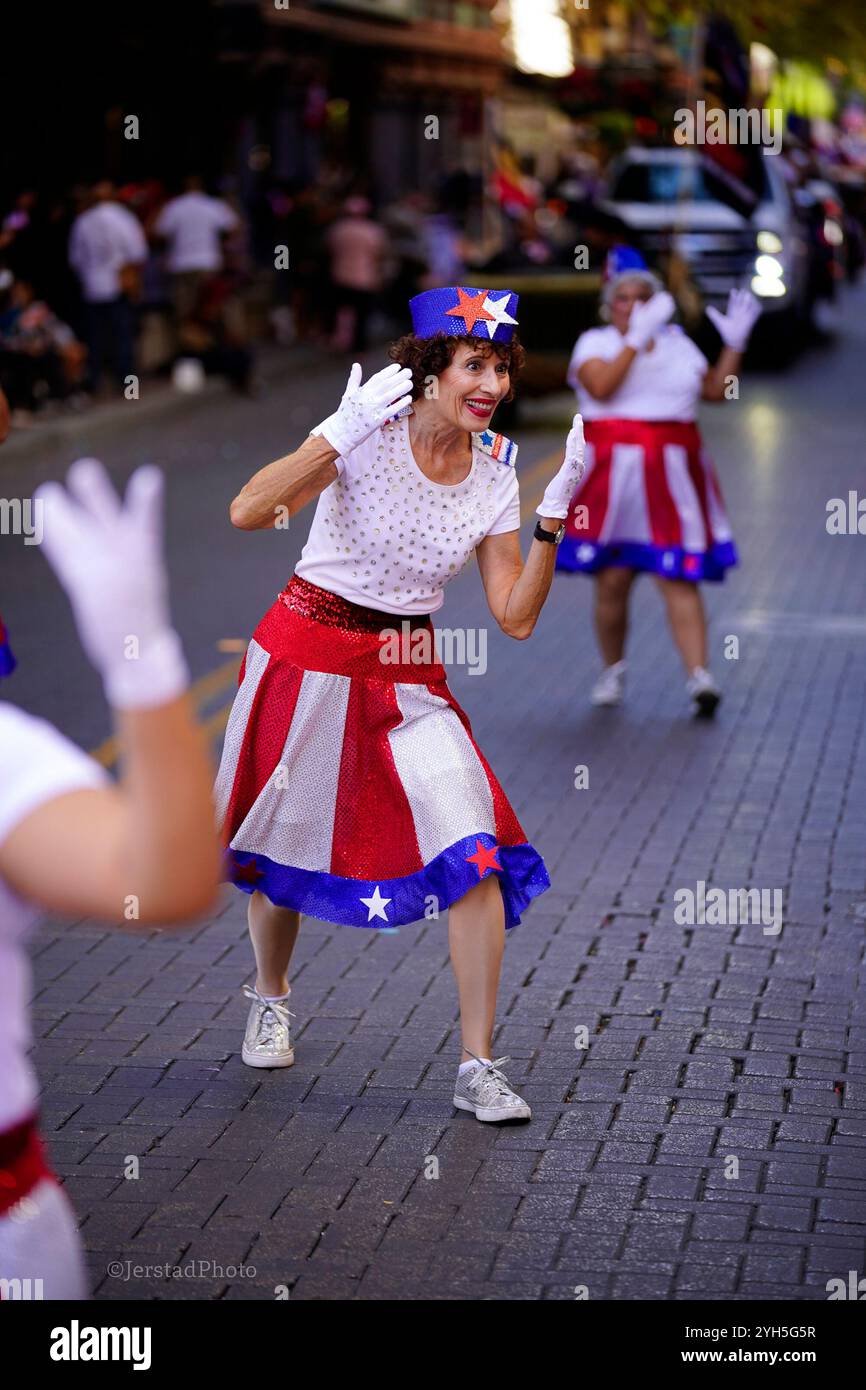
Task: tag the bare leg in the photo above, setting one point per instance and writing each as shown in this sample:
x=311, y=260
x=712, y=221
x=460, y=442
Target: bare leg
x=273, y=931
x=687, y=620
x=476, y=935
x=612, y=588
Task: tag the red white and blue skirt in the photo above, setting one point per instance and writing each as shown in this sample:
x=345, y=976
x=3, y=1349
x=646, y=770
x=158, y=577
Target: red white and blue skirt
x=649, y=500
x=352, y=790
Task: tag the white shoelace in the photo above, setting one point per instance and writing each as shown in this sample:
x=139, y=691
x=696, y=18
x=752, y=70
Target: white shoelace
x=281, y=1013
x=489, y=1070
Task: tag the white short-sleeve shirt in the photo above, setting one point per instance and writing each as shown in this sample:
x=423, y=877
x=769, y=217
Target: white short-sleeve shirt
x=664, y=384
x=387, y=537
x=37, y=764
x=102, y=241
x=192, y=224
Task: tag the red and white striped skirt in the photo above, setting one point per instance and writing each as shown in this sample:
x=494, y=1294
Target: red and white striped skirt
x=353, y=790
x=649, y=500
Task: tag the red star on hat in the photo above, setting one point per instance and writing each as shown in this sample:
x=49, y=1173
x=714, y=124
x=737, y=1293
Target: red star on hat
x=484, y=859
x=470, y=308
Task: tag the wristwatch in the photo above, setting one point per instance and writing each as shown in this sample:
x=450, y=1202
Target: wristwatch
x=552, y=537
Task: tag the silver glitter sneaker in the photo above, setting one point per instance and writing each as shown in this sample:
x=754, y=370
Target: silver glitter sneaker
x=486, y=1092
x=267, y=1041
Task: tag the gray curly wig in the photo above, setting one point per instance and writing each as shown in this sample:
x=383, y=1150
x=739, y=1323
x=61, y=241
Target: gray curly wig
x=644, y=277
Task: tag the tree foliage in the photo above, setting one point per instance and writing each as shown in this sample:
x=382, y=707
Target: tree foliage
x=807, y=29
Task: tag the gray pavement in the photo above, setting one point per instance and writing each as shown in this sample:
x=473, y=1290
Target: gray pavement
x=709, y=1142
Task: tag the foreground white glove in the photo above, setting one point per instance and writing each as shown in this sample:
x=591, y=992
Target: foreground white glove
x=108, y=557
x=560, y=490
x=364, y=408
x=647, y=317
x=735, y=326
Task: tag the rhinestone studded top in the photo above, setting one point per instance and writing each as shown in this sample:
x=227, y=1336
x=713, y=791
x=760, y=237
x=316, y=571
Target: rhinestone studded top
x=387, y=537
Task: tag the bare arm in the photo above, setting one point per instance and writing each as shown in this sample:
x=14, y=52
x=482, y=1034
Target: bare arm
x=715, y=381
x=145, y=851
x=601, y=378
x=290, y=482
x=295, y=480
x=516, y=592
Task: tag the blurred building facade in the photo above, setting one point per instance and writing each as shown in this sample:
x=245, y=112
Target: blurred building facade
x=393, y=87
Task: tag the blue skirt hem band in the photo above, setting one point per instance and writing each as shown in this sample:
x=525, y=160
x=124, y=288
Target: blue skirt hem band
x=396, y=901
x=670, y=562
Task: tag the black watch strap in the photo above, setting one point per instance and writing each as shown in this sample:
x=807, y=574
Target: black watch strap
x=551, y=537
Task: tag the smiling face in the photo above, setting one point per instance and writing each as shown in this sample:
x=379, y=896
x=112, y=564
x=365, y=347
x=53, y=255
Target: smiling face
x=472, y=387
x=627, y=294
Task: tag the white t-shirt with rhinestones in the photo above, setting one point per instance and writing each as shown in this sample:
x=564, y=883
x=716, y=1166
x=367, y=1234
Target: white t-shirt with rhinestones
x=387, y=537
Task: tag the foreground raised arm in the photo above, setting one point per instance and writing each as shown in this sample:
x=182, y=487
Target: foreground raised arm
x=146, y=850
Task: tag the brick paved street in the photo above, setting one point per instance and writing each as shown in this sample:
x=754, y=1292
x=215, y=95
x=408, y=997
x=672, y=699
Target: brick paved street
x=707, y=1043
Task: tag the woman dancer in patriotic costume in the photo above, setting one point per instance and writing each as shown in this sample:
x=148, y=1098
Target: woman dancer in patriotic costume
x=351, y=787
x=74, y=843
x=650, y=500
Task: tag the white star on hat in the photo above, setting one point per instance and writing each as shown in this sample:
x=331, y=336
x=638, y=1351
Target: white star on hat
x=376, y=906
x=496, y=307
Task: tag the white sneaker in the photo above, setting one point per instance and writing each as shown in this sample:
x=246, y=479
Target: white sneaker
x=267, y=1040
x=608, y=689
x=484, y=1090
x=704, y=693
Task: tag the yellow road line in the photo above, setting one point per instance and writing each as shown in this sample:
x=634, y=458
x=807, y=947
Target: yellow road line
x=217, y=722
x=540, y=472
x=200, y=691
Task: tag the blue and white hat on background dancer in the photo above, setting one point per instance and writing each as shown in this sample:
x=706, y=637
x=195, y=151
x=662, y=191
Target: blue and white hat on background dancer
x=623, y=262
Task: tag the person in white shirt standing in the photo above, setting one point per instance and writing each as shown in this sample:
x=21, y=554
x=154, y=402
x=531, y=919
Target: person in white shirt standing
x=193, y=225
x=107, y=246
x=73, y=842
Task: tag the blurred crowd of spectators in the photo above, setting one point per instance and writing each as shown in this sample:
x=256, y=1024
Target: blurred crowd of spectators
x=103, y=284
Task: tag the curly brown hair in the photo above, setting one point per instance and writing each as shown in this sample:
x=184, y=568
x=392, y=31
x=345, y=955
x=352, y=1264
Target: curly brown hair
x=430, y=357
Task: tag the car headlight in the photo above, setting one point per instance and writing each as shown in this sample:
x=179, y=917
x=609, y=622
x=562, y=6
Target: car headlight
x=768, y=286
x=768, y=268
x=769, y=241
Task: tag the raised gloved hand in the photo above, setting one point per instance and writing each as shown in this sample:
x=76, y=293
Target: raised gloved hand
x=107, y=554
x=647, y=317
x=364, y=408
x=735, y=326
x=560, y=490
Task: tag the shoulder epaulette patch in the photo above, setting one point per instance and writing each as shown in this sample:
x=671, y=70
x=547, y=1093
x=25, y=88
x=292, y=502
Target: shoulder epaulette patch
x=498, y=446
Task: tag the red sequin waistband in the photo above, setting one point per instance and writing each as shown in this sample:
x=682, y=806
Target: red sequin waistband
x=321, y=606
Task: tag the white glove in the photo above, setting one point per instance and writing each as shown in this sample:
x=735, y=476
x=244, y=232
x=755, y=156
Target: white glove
x=108, y=557
x=364, y=408
x=735, y=326
x=560, y=490
x=647, y=317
